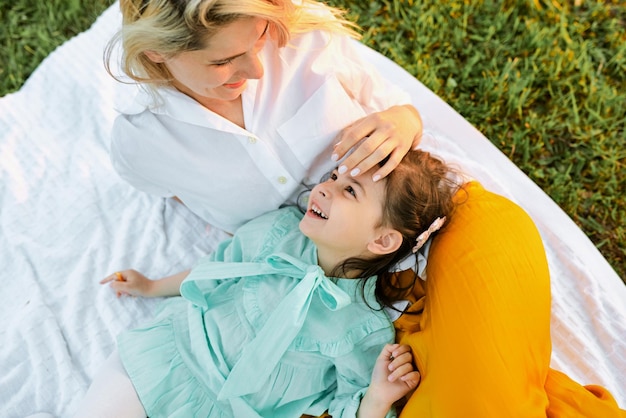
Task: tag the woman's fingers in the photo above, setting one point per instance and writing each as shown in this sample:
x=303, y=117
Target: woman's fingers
x=384, y=135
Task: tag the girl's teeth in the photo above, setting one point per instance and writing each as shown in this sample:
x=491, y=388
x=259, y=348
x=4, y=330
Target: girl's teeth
x=318, y=212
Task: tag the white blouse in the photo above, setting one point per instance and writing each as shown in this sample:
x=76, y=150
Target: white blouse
x=312, y=88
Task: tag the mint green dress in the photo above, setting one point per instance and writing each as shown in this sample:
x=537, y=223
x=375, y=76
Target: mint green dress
x=259, y=331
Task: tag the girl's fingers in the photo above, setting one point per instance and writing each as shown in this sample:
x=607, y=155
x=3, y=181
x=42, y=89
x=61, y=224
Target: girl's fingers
x=400, y=359
x=412, y=379
x=399, y=354
x=400, y=371
x=117, y=277
x=387, y=352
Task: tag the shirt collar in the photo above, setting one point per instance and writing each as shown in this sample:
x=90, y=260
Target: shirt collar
x=176, y=105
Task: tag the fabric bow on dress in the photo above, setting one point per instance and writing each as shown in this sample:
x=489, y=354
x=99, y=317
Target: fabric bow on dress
x=261, y=356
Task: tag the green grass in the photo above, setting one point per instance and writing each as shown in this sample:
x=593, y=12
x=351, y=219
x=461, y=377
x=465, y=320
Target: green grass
x=544, y=80
x=546, y=83
x=31, y=29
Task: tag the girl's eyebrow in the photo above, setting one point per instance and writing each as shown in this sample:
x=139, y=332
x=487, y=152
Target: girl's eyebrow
x=360, y=186
x=243, y=53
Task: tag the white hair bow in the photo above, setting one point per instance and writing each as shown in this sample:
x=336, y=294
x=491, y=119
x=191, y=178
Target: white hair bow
x=423, y=237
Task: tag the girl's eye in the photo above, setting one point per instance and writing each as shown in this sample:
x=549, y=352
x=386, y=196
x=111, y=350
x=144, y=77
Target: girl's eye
x=350, y=190
x=333, y=176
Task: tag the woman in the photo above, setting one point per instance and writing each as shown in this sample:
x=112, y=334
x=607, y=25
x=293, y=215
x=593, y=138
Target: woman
x=249, y=97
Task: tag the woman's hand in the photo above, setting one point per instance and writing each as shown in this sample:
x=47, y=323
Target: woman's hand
x=392, y=132
x=133, y=283
x=393, y=377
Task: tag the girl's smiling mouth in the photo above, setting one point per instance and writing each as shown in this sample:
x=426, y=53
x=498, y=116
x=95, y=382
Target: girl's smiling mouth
x=317, y=211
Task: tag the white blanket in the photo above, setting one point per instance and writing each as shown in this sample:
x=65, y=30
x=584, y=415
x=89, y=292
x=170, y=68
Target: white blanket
x=67, y=220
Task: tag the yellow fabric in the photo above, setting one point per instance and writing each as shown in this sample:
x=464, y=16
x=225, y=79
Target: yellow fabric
x=481, y=336
x=570, y=399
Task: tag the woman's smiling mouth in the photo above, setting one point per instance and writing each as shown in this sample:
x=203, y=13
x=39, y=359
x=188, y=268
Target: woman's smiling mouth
x=235, y=85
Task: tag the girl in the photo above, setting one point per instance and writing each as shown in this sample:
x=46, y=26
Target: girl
x=281, y=320
x=249, y=95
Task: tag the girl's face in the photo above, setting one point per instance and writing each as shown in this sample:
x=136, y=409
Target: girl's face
x=344, y=214
x=219, y=72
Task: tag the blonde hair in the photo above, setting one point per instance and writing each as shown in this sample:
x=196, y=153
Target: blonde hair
x=170, y=27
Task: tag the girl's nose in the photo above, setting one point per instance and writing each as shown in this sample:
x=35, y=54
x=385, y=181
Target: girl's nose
x=324, y=189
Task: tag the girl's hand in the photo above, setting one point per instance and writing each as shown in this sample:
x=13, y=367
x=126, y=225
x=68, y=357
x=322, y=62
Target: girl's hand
x=393, y=377
x=133, y=283
x=130, y=283
x=394, y=374
x=392, y=132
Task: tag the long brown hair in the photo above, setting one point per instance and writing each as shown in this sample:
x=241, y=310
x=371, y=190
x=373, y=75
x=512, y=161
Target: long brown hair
x=418, y=191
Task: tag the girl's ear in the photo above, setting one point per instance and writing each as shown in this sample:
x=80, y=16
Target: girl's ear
x=154, y=56
x=388, y=241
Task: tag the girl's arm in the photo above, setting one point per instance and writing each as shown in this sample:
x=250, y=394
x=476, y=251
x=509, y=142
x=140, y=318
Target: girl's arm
x=393, y=378
x=133, y=283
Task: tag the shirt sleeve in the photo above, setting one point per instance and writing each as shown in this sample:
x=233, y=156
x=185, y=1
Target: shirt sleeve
x=354, y=372
x=123, y=151
x=362, y=80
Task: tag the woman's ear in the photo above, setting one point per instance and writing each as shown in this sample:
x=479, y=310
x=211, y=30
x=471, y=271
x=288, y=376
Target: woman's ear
x=154, y=56
x=388, y=241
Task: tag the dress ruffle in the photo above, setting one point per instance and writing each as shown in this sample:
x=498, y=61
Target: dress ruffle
x=162, y=379
x=337, y=348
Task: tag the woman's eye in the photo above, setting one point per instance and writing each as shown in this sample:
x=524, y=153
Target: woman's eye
x=220, y=64
x=333, y=176
x=350, y=190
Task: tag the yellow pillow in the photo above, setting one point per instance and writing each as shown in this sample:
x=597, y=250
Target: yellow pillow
x=480, y=329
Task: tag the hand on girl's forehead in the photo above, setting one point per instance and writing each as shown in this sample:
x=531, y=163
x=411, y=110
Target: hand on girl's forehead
x=364, y=179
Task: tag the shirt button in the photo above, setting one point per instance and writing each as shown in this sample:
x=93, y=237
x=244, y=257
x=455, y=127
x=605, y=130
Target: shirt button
x=251, y=140
x=282, y=180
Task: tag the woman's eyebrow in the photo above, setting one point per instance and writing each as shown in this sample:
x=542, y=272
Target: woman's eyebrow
x=227, y=58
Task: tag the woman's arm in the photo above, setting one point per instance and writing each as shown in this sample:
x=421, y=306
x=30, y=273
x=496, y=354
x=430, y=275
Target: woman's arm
x=392, y=126
x=133, y=283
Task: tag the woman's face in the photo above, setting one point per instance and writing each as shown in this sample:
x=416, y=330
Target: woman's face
x=344, y=214
x=219, y=72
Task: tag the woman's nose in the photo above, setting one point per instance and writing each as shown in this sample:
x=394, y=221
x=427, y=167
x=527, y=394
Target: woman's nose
x=252, y=67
